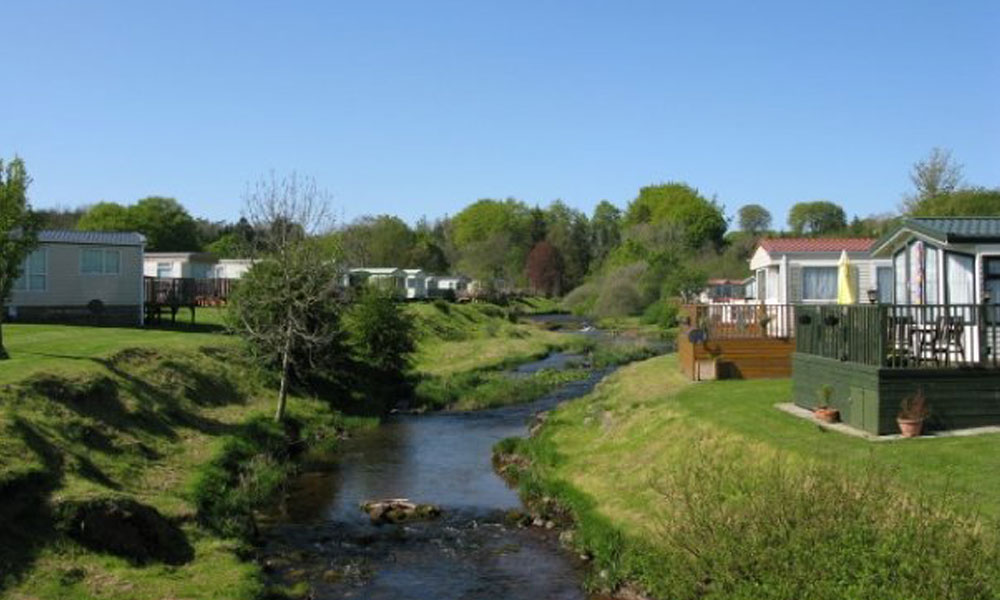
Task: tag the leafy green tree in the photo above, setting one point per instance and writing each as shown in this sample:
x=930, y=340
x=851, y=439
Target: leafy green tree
x=18, y=231
x=380, y=332
x=677, y=204
x=492, y=239
x=568, y=230
x=285, y=306
x=380, y=241
x=936, y=175
x=106, y=216
x=605, y=230
x=754, y=219
x=166, y=224
x=968, y=202
x=816, y=218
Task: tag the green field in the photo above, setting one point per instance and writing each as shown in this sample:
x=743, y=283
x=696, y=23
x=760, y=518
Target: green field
x=69, y=349
x=716, y=493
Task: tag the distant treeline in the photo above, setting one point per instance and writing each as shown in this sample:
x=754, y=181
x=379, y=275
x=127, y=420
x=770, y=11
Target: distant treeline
x=661, y=246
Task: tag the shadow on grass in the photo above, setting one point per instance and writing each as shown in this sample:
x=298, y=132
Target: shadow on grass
x=26, y=522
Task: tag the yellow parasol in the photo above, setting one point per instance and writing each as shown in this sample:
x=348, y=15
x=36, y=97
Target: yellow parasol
x=845, y=291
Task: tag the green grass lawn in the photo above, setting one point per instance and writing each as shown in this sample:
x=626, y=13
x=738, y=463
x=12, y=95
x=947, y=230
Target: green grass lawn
x=712, y=483
x=67, y=349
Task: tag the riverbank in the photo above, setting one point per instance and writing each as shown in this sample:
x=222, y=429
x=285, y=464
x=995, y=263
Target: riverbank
x=716, y=494
x=135, y=472
x=166, y=434
x=466, y=351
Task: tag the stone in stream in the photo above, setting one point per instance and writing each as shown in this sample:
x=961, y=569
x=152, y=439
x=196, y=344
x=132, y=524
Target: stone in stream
x=398, y=510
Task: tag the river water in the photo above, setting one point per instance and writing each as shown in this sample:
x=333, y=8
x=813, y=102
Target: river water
x=470, y=552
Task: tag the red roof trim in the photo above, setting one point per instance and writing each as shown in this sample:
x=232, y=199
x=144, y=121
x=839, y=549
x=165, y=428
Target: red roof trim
x=817, y=244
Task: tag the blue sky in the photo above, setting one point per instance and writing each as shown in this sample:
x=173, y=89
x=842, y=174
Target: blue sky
x=415, y=108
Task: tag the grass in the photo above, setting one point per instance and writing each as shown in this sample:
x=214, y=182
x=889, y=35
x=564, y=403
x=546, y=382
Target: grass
x=453, y=338
x=476, y=390
x=716, y=494
x=71, y=350
x=178, y=421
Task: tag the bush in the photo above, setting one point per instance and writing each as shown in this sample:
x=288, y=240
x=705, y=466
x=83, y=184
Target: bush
x=662, y=313
x=246, y=472
x=380, y=333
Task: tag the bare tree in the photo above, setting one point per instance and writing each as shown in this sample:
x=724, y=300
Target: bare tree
x=936, y=175
x=285, y=306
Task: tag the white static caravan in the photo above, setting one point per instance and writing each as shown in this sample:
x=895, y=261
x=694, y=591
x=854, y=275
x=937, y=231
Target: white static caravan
x=180, y=265
x=81, y=277
x=416, y=284
x=804, y=270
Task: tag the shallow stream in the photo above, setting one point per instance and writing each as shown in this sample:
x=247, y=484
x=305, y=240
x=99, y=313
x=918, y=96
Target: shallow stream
x=470, y=552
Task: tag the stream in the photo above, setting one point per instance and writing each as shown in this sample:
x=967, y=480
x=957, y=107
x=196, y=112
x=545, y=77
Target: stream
x=321, y=536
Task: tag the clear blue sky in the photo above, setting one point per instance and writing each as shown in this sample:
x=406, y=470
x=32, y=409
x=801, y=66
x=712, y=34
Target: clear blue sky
x=416, y=108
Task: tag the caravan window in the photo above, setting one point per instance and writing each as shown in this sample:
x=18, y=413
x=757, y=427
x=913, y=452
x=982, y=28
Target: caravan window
x=96, y=261
x=819, y=283
x=34, y=273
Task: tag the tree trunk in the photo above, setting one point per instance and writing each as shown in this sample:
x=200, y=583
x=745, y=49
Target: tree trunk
x=3, y=350
x=286, y=361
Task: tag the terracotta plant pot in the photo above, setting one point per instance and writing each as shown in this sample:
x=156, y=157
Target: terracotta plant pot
x=827, y=415
x=910, y=427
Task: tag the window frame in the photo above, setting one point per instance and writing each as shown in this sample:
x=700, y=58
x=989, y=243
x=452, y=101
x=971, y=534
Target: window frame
x=824, y=268
x=104, y=270
x=26, y=274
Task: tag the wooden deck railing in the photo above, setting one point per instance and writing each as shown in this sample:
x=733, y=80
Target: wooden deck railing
x=742, y=321
x=901, y=336
x=186, y=291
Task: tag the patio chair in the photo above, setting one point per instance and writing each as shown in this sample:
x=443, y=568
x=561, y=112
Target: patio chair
x=900, y=340
x=949, y=339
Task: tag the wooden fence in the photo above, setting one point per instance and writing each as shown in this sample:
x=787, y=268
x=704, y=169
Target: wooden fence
x=901, y=336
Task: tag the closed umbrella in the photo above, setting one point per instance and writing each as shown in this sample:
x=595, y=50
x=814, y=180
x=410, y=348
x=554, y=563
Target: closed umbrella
x=845, y=292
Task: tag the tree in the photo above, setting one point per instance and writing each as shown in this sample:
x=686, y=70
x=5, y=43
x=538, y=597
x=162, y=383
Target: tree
x=166, y=224
x=936, y=175
x=605, y=230
x=968, y=202
x=381, y=241
x=285, y=305
x=568, y=230
x=545, y=269
x=754, y=219
x=677, y=204
x=18, y=231
x=492, y=239
x=816, y=218
x=106, y=216
x=381, y=334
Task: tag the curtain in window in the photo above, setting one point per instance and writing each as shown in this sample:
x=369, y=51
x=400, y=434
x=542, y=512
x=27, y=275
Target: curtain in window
x=92, y=261
x=899, y=274
x=884, y=284
x=931, y=275
x=819, y=283
x=916, y=273
x=961, y=282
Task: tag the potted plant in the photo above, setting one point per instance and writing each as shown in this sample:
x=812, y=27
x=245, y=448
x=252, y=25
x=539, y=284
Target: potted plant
x=824, y=412
x=913, y=411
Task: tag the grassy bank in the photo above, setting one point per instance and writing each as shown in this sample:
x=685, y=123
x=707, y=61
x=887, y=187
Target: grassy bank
x=716, y=494
x=453, y=338
x=131, y=462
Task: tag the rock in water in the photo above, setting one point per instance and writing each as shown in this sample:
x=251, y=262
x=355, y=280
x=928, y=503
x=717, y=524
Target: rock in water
x=398, y=510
